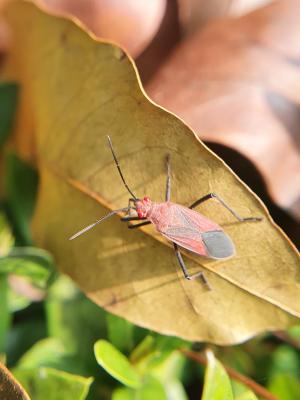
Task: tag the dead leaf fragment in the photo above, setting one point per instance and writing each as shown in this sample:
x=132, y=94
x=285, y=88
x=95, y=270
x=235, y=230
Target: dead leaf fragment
x=132, y=24
x=10, y=389
x=195, y=13
x=4, y=37
x=75, y=104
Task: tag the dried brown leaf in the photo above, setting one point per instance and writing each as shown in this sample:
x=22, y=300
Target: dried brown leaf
x=132, y=24
x=10, y=389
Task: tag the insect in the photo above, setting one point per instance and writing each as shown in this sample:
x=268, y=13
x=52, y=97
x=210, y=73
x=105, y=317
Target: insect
x=181, y=225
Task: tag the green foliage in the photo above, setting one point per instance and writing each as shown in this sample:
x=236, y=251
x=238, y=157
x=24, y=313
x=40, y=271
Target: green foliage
x=36, y=264
x=151, y=389
x=6, y=243
x=4, y=311
x=285, y=360
x=216, y=383
x=242, y=392
x=75, y=321
x=6, y=236
x=21, y=182
x=49, y=352
x=116, y=364
x=285, y=387
x=47, y=383
x=247, y=396
x=8, y=101
x=153, y=368
x=23, y=334
x=120, y=332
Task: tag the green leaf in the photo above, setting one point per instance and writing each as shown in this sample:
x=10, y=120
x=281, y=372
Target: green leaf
x=43, y=353
x=155, y=356
x=154, y=350
x=146, y=355
x=151, y=389
x=285, y=387
x=285, y=360
x=6, y=237
x=124, y=393
x=34, y=263
x=217, y=384
x=248, y=395
x=75, y=320
x=22, y=336
x=8, y=102
x=116, y=364
x=48, y=383
x=240, y=390
x=169, y=368
x=175, y=390
x=120, y=332
x=17, y=302
x=145, y=348
x=4, y=311
x=51, y=352
x=21, y=182
x=295, y=331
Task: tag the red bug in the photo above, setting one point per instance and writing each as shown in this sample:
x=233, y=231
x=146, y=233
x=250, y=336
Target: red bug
x=181, y=225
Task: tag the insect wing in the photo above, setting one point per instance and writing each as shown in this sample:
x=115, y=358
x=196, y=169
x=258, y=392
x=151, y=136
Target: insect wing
x=193, y=242
x=198, y=234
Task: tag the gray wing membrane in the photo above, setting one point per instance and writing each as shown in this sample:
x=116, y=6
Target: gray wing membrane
x=218, y=244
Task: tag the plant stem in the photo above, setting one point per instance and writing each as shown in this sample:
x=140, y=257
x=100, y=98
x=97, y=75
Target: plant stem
x=285, y=337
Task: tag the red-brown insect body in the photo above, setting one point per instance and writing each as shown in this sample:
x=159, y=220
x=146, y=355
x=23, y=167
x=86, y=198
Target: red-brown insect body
x=183, y=226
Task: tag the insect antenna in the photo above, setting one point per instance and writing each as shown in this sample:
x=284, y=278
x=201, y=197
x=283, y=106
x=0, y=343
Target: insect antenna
x=119, y=168
x=87, y=228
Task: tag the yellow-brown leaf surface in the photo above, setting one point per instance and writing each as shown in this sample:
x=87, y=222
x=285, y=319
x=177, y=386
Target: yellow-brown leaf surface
x=81, y=90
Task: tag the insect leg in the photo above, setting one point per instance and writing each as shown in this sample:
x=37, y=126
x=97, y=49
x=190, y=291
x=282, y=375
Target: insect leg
x=185, y=271
x=131, y=200
x=131, y=218
x=215, y=196
x=130, y=226
x=168, y=183
x=134, y=218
